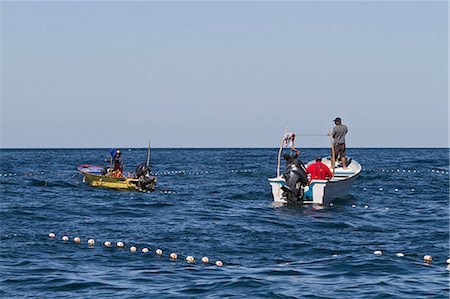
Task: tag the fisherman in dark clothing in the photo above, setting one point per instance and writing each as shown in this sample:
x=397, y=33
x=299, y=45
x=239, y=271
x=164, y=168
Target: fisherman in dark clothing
x=118, y=164
x=295, y=172
x=292, y=160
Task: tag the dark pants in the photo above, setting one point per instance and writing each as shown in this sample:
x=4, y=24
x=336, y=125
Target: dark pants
x=339, y=151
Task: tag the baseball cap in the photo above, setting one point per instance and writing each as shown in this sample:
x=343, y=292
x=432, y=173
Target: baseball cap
x=337, y=119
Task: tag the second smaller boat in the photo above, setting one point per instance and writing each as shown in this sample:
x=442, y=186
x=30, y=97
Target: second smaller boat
x=98, y=176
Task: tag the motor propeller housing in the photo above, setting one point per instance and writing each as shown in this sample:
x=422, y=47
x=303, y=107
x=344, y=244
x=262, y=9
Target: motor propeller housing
x=295, y=177
x=146, y=181
x=142, y=170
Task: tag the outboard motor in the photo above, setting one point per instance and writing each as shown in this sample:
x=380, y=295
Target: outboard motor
x=146, y=182
x=296, y=177
x=142, y=170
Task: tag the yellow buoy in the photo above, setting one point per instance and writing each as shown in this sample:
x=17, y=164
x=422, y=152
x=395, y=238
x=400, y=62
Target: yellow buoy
x=120, y=244
x=159, y=251
x=219, y=264
x=205, y=259
x=190, y=259
x=52, y=235
x=173, y=256
x=65, y=238
x=427, y=258
x=77, y=240
x=144, y=250
x=107, y=244
x=133, y=249
x=91, y=242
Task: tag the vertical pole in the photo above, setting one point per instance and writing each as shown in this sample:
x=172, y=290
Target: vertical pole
x=332, y=151
x=279, y=153
x=112, y=157
x=148, y=154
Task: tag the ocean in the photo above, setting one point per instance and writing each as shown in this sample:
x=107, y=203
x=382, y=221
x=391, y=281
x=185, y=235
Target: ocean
x=218, y=203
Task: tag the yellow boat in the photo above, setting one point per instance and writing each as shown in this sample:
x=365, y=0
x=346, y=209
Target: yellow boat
x=98, y=176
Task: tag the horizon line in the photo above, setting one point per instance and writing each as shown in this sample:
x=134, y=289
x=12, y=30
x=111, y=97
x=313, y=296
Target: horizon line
x=245, y=147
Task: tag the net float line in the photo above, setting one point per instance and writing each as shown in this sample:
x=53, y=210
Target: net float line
x=135, y=249
x=426, y=259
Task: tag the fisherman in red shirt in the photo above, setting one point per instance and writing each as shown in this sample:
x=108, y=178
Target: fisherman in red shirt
x=318, y=171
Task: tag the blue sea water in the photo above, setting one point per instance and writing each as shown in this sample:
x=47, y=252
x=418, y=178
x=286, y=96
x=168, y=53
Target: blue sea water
x=218, y=203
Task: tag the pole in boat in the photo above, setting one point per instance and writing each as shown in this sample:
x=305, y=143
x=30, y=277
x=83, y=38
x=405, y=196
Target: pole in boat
x=112, y=152
x=279, y=153
x=332, y=151
x=148, y=154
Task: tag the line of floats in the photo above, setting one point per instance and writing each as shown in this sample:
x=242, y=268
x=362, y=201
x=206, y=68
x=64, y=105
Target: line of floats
x=247, y=171
x=121, y=245
x=191, y=259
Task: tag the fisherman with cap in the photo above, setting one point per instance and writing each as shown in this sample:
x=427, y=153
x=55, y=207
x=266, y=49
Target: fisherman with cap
x=338, y=134
x=118, y=164
x=318, y=171
x=292, y=159
x=295, y=173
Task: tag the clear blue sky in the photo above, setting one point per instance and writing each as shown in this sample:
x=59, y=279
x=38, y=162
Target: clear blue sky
x=217, y=74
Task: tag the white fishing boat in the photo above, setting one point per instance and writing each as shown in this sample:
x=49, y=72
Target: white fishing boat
x=321, y=192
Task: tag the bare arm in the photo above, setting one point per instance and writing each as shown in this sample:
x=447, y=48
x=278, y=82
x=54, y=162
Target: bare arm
x=295, y=150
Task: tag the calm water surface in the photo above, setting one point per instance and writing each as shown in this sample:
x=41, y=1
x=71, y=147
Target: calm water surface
x=218, y=203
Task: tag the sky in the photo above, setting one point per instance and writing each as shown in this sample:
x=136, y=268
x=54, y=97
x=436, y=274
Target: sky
x=223, y=74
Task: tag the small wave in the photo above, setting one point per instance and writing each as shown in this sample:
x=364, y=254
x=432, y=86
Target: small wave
x=69, y=285
x=51, y=184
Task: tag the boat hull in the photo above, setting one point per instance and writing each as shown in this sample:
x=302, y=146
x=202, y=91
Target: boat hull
x=337, y=189
x=109, y=182
x=321, y=192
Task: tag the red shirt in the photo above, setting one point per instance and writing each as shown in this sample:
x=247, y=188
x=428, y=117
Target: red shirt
x=319, y=171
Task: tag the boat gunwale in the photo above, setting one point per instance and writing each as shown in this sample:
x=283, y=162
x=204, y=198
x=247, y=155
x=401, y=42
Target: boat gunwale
x=331, y=181
x=125, y=178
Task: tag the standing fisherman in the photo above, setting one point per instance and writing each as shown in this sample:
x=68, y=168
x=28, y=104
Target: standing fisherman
x=338, y=134
x=118, y=164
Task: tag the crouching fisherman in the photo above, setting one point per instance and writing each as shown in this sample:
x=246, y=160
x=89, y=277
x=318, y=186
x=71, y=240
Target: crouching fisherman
x=146, y=181
x=319, y=171
x=295, y=177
